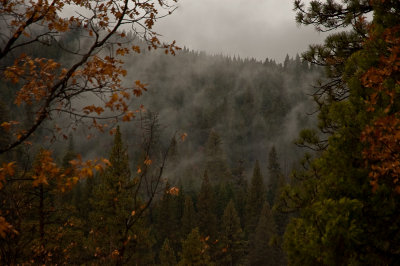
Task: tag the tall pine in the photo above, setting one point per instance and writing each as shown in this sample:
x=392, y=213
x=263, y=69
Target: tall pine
x=194, y=251
x=189, y=218
x=274, y=174
x=263, y=250
x=256, y=195
x=232, y=237
x=216, y=162
x=207, y=220
x=112, y=202
x=167, y=254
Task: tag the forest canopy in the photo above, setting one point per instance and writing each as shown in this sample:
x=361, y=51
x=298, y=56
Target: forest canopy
x=210, y=159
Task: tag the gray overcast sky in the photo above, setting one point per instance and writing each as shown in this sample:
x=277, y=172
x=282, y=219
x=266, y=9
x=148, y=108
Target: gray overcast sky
x=248, y=28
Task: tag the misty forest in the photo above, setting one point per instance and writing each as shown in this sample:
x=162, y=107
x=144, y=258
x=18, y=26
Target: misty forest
x=119, y=148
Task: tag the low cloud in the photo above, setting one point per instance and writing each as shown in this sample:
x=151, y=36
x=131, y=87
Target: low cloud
x=248, y=28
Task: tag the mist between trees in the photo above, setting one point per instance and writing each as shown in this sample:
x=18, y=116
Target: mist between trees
x=250, y=105
x=226, y=116
x=204, y=170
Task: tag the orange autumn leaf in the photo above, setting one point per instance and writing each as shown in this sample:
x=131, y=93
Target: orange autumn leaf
x=7, y=125
x=381, y=136
x=173, y=191
x=147, y=161
x=6, y=228
x=7, y=169
x=183, y=136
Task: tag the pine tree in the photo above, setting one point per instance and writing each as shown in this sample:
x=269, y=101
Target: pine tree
x=207, y=220
x=275, y=187
x=189, y=219
x=179, y=206
x=281, y=218
x=335, y=197
x=167, y=255
x=240, y=190
x=70, y=154
x=232, y=237
x=286, y=62
x=173, y=155
x=167, y=223
x=274, y=171
x=112, y=202
x=216, y=162
x=194, y=251
x=223, y=194
x=262, y=249
x=140, y=248
x=255, y=199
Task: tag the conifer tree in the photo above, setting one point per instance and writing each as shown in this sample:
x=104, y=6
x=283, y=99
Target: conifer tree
x=240, y=189
x=167, y=254
x=75, y=195
x=255, y=199
x=274, y=171
x=286, y=62
x=194, y=251
x=189, y=219
x=345, y=216
x=141, y=245
x=70, y=154
x=223, y=194
x=167, y=221
x=216, y=162
x=232, y=237
x=112, y=201
x=276, y=184
x=280, y=217
x=207, y=220
x=173, y=153
x=262, y=249
x=179, y=206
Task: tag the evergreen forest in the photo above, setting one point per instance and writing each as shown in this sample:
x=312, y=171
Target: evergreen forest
x=119, y=149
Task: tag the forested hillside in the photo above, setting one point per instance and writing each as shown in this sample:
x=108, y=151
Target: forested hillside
x=116, y=148
x=246, y=105
x=232, y=122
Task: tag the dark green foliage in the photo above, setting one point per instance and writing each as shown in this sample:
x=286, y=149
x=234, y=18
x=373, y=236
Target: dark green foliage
x=276, y=184
x=232, y=242
x=240, y=190
x=274, y=174
x=167, y=255
x=207, y=220
x=245, y=101
x=141, y=244
x=223, y=194
x=263, y=249
x=256, y=196
x=216, y=161
x=112, y=201
x=341, y=220
x=167, y=219
x=194, y=251
x=189, y=219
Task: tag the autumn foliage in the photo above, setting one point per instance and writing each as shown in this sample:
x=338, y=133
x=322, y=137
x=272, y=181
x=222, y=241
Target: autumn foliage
x=382, y=136
x=51, y=87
